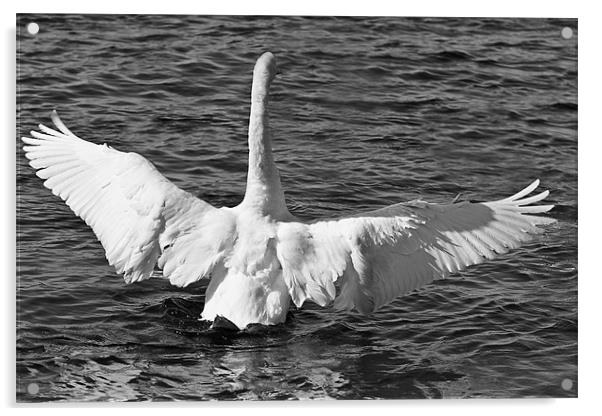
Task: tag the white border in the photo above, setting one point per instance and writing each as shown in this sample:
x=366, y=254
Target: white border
x=589, y=189
x=468, y=8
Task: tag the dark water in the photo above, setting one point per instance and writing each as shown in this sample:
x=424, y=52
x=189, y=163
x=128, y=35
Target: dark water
x=367, y=112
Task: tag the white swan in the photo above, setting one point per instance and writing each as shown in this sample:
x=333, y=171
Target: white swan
x=260, y=257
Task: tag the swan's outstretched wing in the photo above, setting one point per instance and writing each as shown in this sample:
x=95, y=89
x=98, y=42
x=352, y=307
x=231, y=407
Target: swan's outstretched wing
x=379, y=255
x=138, y=215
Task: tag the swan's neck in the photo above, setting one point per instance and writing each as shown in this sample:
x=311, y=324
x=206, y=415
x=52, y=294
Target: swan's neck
x=264, y=192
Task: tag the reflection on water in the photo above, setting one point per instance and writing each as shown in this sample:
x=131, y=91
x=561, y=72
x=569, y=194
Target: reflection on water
x=367, y=112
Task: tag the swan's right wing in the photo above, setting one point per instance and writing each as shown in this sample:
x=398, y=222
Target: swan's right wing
x=377, y=256
x=138, y=215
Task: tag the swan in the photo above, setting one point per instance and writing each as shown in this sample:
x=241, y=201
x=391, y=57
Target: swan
x=258, y=256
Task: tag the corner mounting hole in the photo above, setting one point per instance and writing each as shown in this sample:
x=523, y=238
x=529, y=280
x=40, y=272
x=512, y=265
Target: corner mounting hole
x=33, y=28
x=33, y=388
x=567, y=384
x=566, y=32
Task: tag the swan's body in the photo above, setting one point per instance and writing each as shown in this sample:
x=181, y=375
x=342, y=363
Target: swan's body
x=258, y=255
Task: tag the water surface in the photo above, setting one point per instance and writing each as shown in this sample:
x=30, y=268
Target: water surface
x=367, y=112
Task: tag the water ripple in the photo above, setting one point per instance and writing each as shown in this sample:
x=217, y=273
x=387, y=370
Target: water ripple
x=367, y=112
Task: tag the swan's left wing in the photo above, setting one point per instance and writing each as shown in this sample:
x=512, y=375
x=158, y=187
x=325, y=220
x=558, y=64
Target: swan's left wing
x=374, y=257
x=140, y=217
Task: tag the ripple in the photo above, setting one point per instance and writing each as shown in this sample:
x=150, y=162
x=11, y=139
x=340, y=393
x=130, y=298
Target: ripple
x=367, y=112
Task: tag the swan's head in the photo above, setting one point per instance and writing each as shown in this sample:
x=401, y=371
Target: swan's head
x=265, y=68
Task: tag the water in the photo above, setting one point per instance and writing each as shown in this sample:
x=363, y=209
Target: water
x=367, y=112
